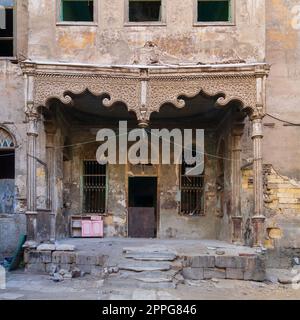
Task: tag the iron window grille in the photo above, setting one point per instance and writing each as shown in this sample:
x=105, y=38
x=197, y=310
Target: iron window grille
x=94, y=187
x=192, y=193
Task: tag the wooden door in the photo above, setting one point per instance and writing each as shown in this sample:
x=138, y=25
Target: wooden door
x=141, y=222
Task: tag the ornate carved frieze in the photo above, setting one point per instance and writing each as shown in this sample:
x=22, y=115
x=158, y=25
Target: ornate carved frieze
x=145, y=90
x=119, y=89
x=227, y=87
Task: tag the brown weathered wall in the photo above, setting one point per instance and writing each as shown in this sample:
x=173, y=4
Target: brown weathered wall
x=11, y=118
x=178, y=41
x=282, y=143
x=174, y=225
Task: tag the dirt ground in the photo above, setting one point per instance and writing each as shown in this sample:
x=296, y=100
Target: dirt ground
x=22, y=286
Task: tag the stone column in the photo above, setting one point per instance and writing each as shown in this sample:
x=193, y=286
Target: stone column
x=32, y=134
x=256, y=117
x=31, y=177
x=237, y=218
x=258, y=219
x=50, y=132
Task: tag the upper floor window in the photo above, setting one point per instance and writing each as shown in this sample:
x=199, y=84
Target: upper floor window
x=6, y=28
x=214, y=11
x=145, y=11
x=77, y=11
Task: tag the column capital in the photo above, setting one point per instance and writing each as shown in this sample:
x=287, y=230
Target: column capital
x=258, y=113
x=31, y=110
x=32, y=119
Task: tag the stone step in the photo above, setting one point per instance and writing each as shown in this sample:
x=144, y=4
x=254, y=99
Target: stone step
x=139, y=266
x=150, y=277
x=151, y=256
x=149, y=249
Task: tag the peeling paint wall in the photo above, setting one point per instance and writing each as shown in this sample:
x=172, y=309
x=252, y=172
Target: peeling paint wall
x=281, y=141
x=173, y=225
x=12, y=118
x=13, y=205
x=282, y=211
x=111, y=41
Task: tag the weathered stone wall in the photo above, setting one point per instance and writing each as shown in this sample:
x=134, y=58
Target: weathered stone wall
x=171, y=223
x=110, y=41
x=281, y=142
x=282, y=201
x=282, y=210
x=12, y=117
x=282, y=194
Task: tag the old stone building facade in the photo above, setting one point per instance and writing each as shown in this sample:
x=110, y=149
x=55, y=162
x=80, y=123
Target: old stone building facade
x=232, y=71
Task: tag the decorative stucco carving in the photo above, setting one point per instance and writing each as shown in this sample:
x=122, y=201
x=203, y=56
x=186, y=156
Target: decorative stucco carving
x=119, y=89
x=145, y=90
x=241, y=87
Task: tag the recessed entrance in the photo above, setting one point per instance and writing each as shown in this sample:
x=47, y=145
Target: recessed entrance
x=142, y=211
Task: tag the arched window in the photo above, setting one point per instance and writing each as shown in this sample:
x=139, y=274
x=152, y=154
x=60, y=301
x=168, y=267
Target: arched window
x=7, y=171
x=192, y=191
x=6, y=140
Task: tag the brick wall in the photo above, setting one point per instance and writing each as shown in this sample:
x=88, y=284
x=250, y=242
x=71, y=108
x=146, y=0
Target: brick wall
x=282, y=194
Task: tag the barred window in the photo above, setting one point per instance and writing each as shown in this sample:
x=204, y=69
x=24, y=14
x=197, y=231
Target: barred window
x=192, y=191
x=94, y=187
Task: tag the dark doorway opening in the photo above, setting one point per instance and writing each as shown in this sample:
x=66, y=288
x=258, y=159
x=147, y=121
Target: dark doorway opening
x=142, y=211
x=7, y=182
x=7, y=164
